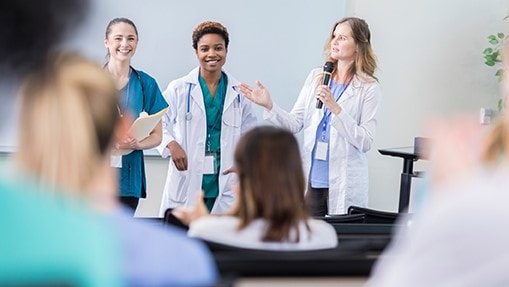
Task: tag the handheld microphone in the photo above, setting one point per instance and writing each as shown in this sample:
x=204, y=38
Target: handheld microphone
x=328, y=67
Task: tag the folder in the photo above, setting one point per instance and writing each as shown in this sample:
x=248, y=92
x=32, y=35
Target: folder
x=141, y=128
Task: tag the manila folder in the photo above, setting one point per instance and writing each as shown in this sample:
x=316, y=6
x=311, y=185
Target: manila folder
x=142, y=126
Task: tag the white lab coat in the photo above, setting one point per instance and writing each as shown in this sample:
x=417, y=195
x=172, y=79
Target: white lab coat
x=182, y=187
x=351, y=136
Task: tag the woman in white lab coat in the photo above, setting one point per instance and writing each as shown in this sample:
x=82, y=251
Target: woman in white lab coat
x=206, y=117
x=337, y=136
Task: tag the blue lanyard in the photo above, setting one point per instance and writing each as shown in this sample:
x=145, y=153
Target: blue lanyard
x=327, y=113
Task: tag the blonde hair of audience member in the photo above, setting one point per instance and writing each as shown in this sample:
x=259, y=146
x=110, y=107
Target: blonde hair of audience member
x=68, y=121
x=271, y=182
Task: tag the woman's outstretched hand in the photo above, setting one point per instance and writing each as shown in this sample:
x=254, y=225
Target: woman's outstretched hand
x=259, y=96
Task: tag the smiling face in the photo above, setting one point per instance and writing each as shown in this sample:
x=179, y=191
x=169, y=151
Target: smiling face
x=121, y=41
x=211, y=52
x=343, y=46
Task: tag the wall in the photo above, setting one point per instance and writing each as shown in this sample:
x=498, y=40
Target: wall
x=430, y=59
x=429, y=56
x=276, y=42
x=430, y=65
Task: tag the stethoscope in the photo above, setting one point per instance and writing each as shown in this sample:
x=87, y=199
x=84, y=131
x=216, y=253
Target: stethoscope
x=189, y=115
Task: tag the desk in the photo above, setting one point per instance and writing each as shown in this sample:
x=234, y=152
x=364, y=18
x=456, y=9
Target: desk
x=409, y=156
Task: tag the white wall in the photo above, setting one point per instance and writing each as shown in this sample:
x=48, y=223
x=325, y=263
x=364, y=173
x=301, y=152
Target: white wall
x=429, y=56
x=431, y=65
x=277, y=42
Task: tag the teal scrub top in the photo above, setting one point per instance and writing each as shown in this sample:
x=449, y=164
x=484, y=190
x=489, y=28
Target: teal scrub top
x=48, y=239
x=214, y=110
x=141, y=94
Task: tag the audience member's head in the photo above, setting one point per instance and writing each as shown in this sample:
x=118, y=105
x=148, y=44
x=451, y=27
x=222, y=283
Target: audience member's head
x=30, y=29
x=271, y=181
x=68, y=120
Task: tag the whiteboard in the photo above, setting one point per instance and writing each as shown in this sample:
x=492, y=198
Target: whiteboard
x=277, y=42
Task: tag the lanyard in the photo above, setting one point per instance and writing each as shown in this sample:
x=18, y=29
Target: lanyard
x=219, y=112
x=327, y=113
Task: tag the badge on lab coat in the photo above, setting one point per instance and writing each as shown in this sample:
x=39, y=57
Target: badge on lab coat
x=209, y=164
x=321, y=150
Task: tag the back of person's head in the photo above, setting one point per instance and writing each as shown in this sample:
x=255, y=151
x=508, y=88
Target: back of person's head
x=29, y=29
x=271, y=181
x=67, y=121
x=365, y=61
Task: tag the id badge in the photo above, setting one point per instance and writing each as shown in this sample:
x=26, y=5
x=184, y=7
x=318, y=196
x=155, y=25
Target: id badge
x=209, y=164
x=321, y=150
x=116, y=161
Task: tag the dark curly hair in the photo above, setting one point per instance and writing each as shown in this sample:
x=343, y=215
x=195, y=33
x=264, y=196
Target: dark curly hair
x=210, y=27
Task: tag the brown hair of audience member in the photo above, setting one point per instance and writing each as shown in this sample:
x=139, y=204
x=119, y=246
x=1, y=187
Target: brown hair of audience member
x=68, y=120
x=271, y=182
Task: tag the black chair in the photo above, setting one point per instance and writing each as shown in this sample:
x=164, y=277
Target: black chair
x=343, y=218
x=348, y=259
x=374, y=216
x=171, y=219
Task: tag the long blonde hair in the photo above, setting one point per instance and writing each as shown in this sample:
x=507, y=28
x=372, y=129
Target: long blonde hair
x=67, y=121
x=365, y=61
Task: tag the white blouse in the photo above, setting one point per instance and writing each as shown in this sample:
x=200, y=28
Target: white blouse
x=224, y=230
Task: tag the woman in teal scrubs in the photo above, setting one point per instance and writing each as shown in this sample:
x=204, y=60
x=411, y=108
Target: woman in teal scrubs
x=139, y=93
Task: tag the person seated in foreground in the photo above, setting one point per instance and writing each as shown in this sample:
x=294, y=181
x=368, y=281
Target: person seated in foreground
x=69, y=121
x=271, y=212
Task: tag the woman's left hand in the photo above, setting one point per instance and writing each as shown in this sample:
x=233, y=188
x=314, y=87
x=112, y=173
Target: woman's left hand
x=129, y=143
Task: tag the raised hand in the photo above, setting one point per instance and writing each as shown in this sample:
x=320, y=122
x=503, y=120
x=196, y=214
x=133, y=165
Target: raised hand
x=259, y=96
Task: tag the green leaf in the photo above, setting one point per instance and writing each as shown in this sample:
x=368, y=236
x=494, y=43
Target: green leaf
x=489, y=58
x=500, y=74
x=492, y=37
x=489, y=63
x=496, y=56
x=500, y=35
x=487, y=51
x=493, y=41
x=500, y=105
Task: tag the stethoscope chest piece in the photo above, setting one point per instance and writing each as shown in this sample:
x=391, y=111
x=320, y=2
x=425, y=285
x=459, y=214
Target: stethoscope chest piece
x=189, y=116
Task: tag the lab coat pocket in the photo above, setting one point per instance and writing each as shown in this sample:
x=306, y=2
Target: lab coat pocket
x=180, y=186
x=232, y=119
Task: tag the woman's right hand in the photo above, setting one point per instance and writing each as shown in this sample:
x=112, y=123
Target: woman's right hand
x=178, y=155
x=260, y=96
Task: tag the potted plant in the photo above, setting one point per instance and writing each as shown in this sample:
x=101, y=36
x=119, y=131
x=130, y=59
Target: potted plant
x=493, y=57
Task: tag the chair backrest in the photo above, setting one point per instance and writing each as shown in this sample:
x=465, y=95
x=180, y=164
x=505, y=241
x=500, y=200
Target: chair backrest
x=348, y=259
x=374, y=216
x=171, y=219
x=343, y=218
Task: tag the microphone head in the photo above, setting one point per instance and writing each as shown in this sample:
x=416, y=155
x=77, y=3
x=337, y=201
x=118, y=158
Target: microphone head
x=328, y=67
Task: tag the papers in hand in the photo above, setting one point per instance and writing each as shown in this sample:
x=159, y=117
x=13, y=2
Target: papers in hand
x=141, y=128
